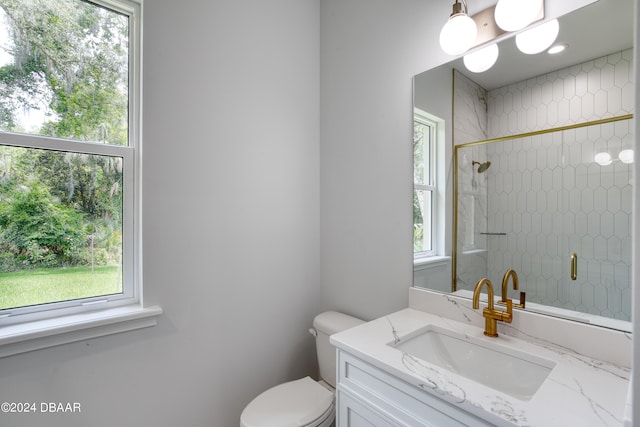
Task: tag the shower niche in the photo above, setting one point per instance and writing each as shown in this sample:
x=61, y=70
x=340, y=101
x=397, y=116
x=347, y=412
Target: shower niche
x=555, y=205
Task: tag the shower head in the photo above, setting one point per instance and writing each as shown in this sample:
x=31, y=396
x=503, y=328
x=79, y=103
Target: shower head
x=483, y=166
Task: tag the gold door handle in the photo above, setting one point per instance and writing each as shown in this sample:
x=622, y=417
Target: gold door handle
x=574, y=266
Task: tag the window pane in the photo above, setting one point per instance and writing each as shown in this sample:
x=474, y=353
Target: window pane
x=60, y=226
x=64, y=70
x=421, y=153
x=422, y=232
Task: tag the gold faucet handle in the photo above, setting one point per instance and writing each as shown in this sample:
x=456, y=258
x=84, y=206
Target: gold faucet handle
x=523, y=297
x=521, y=304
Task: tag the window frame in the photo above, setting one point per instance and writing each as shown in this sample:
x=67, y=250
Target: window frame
x=132, y=212
x=436, y=129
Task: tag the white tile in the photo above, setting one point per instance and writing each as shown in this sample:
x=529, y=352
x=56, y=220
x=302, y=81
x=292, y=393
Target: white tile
x=614, y=101
x=531, y=118
x=600, y=248
x=621, y=224
x=547, y=93
x=587, y=200
x=622, y=275
x=507, y=181
x=547, y=177
x=553, y=156
x=614, y=249
x=593, y=80
x=532, y=244
x=606, y=178
x=600, y=199
x=581, y=225
x=575, y=109
x=593, y=224
x=600, y=62
x=541, y=201
x=588, y=107
x=507, y=102
x=553, y=115
x=522, y=121
x=513, y=123
x=581, y=84
x=607, y=76
x=557, y=90
x=627, y=99
x=588, y=298
x=593, y=175
x=621, y=73
x=581, y=176
x=536, y=180
x=601, y=103
x=569, y=86
x=531, y=160
x=607, y=224
x=607, y=130
x=563, y=111
x=552, y=201
x=569, y=177
x=600, y=296
x=575, y=296
x=626, y=198
x=589, y=247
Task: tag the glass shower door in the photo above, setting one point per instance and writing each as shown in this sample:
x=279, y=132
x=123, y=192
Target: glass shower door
x=596, y=205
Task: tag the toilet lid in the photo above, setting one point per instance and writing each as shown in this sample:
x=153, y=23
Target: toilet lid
x=293, y=404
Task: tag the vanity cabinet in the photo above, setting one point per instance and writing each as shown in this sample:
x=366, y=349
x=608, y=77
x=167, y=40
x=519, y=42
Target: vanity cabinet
x=368, y=396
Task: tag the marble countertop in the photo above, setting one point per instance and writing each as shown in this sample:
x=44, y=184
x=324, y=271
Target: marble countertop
x=579, y=391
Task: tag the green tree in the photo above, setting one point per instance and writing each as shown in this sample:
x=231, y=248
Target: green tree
x=70, y=59
x=40, y=231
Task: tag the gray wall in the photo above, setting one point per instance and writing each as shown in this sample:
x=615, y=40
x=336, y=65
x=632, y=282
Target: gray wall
x=231, y=226
x=370, y=50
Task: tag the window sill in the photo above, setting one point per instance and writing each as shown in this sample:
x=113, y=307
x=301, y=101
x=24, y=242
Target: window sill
x=24, y=337
x=432, y=261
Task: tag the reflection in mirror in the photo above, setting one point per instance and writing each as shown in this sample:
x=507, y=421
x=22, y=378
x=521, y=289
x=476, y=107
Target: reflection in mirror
x=549, y=210
x=521, y=186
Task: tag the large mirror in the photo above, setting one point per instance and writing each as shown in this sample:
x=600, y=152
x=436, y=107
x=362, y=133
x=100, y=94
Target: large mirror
x=521, y=176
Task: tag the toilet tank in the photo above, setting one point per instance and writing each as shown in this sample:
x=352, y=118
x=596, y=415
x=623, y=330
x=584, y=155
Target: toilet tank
x=326, y=324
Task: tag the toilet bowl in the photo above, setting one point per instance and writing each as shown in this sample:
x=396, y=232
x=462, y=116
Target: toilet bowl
x=299, y=403
x=304, y=402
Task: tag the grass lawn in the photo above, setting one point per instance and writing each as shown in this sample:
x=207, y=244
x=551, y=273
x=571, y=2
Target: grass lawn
x=33, y=287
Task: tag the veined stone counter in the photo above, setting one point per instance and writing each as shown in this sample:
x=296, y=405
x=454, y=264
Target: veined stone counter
x=581, y=389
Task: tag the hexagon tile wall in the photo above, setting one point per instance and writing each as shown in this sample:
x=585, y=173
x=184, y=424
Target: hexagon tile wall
x=548, y=194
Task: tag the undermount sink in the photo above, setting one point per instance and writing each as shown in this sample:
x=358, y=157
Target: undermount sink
x=510, y=371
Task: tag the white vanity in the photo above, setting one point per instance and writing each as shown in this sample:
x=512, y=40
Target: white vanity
x=431, y=365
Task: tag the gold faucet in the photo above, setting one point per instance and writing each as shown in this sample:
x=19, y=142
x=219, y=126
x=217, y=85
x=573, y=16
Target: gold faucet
x=505, y=281
x=491, y=316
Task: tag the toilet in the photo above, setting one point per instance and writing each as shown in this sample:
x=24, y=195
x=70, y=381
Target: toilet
x=304, y=402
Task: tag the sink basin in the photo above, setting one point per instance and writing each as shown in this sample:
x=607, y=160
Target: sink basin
x=510, y=371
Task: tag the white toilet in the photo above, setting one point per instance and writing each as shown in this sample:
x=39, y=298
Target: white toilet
x=303, y=402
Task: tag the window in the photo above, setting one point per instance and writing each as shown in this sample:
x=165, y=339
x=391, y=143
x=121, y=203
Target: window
x=425, y=186
x=69, y=155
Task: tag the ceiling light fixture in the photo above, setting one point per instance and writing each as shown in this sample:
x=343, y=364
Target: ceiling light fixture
x=603, y=158
x=514, y=15
x=481, y=60
x=462, y=32
x=539, y=38
x=459, y=33
x=553, y=50
x=626, y=156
